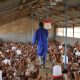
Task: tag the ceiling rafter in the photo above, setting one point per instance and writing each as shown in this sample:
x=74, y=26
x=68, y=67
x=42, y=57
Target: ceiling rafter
x=28, y=8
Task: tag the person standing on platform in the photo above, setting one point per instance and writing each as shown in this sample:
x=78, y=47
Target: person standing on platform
x=41, y=38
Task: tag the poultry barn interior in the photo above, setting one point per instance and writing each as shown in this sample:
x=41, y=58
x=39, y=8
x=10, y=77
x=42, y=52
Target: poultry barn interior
x=19, y=20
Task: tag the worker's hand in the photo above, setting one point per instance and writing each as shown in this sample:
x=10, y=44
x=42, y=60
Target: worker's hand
x=32, y=46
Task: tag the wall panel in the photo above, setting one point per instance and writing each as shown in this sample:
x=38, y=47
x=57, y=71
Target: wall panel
x=21, y=30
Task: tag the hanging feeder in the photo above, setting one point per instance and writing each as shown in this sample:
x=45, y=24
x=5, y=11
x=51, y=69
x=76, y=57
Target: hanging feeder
x=47, y=23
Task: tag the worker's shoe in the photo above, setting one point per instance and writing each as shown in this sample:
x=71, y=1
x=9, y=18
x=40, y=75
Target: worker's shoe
x=43, y=66
x=40, y=60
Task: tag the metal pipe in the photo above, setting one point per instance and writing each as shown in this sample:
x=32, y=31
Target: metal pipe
x=66, y=25
x=28, y=35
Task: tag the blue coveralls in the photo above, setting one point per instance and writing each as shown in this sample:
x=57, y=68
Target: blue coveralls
x=41, y=37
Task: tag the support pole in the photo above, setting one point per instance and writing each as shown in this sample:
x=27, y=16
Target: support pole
x=32, y=31
x=47, y=9
x=28, y=35
x=66, y=25
x=32, y=25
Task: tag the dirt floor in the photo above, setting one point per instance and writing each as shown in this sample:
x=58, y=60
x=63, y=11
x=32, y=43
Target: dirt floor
x=47, y=69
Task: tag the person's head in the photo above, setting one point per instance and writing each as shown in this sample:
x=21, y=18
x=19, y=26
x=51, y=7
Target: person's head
x=41, y=24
